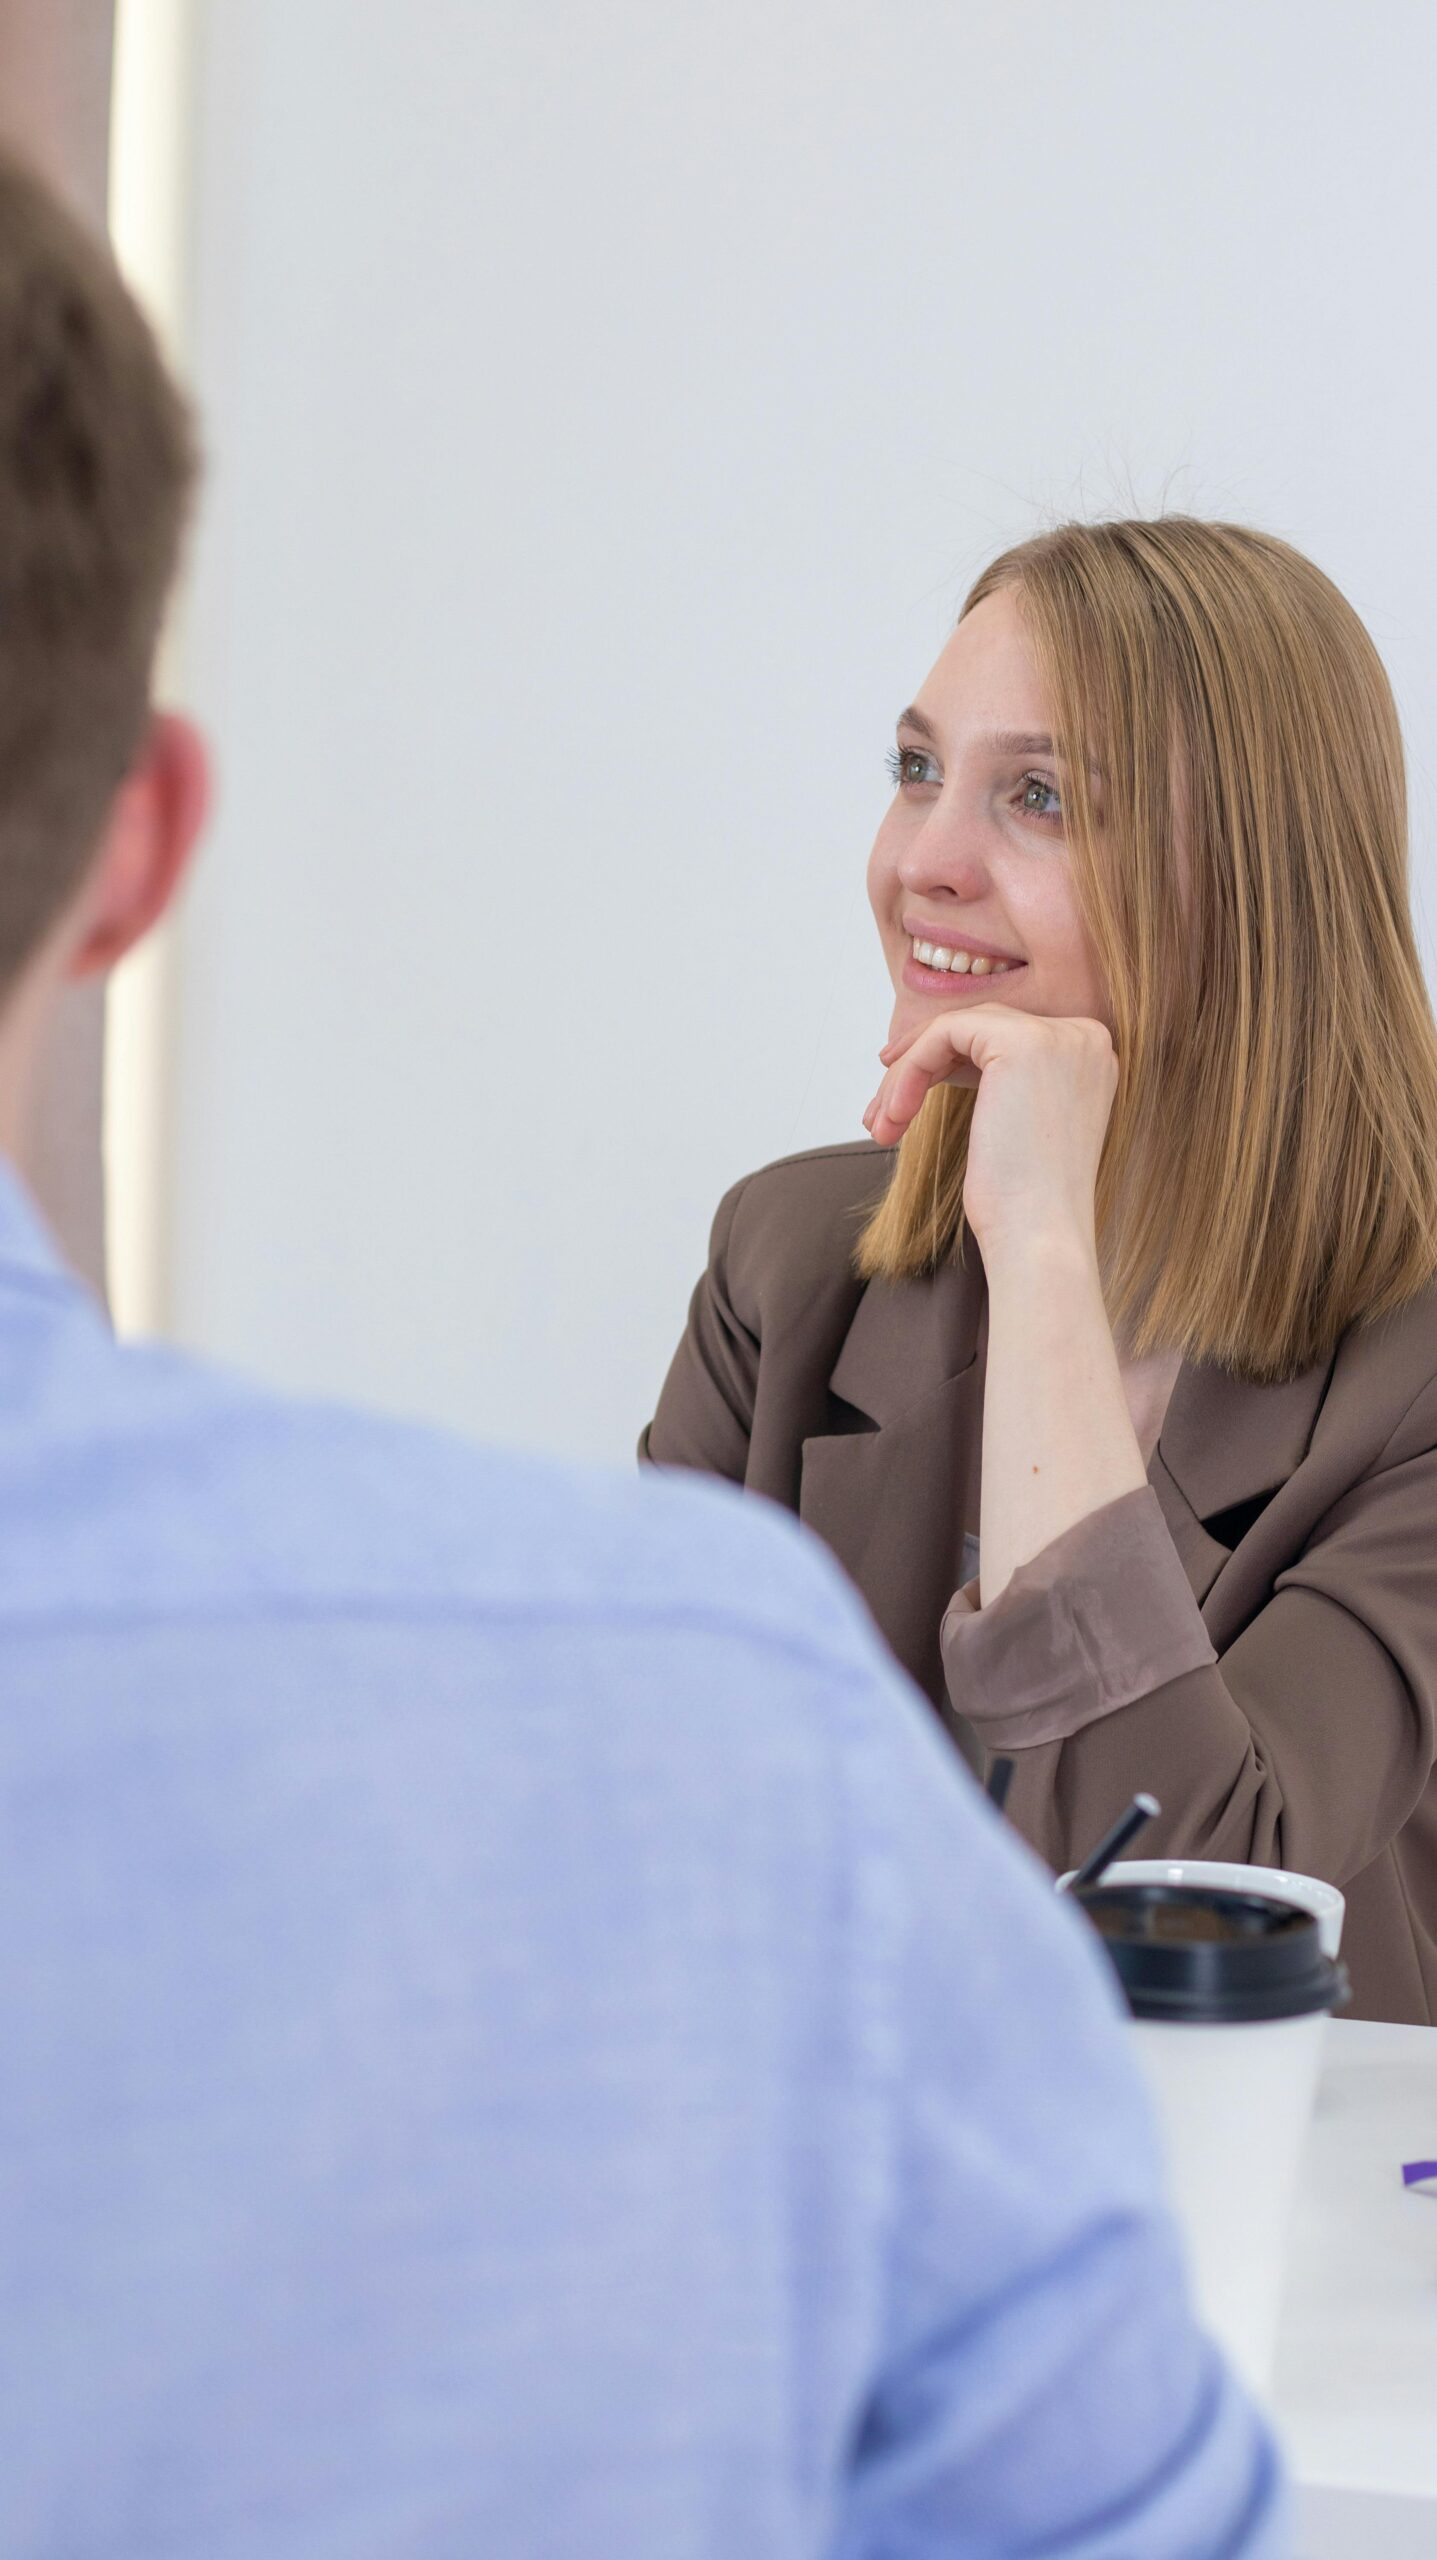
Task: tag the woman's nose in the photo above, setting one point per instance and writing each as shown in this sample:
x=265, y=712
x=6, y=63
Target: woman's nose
x=945, y=854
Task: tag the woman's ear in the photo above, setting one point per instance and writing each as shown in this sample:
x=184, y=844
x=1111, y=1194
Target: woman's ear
x=150, y=833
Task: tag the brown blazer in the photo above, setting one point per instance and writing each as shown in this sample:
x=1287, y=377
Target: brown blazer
x=1254, y=1638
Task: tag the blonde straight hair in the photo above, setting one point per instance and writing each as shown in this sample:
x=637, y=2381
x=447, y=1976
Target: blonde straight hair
x=1269, y=1175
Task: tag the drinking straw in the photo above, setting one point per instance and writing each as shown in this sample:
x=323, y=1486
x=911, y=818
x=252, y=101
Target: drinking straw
x=999, y=1779
x=1126, y=1828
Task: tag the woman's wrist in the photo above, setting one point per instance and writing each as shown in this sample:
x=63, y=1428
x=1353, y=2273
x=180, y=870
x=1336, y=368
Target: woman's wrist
x=1054, y=1251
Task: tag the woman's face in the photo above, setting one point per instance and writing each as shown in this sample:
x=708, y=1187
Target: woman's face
x=970, y=861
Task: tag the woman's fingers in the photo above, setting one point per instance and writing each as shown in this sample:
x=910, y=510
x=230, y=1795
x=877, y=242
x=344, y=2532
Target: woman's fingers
x=927, y=1057
x=898, y=1098
x=908, y=1085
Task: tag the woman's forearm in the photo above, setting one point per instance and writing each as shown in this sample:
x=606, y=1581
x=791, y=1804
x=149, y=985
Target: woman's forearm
x=1058, y=1439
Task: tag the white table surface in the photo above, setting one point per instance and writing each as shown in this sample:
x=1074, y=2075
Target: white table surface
x=1355, y=2386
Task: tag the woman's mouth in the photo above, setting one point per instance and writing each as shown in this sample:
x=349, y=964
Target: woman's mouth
x=943, y=968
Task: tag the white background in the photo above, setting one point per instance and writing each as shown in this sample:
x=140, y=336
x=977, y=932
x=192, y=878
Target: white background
x=608, y=405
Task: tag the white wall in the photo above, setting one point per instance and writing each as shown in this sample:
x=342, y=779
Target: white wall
x=608, y=405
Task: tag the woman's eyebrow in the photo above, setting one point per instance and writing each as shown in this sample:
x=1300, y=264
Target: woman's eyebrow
x=1005, y=742
x=1018, y=742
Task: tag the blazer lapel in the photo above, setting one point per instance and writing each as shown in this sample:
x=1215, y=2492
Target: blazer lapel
x=891, y=1486
x=890, y=1493
x=1225, y=1441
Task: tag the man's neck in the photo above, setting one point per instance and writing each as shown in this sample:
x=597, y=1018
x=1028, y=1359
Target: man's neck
x=26, y=1016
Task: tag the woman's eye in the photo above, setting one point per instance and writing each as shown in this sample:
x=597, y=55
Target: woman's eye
x=906, y=764
x=1039, y=798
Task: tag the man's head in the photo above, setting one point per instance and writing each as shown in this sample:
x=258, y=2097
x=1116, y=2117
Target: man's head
x=99, y=801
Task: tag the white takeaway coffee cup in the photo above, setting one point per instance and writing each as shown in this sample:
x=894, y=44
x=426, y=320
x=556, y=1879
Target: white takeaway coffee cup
x=1228, y=1991
x=1326, y=1904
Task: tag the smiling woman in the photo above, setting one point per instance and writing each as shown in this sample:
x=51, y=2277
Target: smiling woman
x=1110, y=1370
x=1232, y=903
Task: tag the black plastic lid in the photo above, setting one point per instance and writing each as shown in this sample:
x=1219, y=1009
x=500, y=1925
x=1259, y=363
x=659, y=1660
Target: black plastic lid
x=1204, y=1953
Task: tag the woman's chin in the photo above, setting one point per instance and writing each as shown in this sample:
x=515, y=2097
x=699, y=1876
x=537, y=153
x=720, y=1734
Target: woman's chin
x=913, y=1013
x=909, y=1015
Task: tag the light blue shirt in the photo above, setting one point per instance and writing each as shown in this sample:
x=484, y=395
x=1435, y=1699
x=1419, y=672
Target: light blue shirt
x=517, y=2041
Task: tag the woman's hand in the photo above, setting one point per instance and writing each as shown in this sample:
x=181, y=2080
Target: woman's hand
x=1045, y=1090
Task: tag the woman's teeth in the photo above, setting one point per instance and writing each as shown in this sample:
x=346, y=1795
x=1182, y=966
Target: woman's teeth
x=937, y=955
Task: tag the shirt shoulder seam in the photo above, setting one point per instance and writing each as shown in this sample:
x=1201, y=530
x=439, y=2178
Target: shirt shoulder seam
x=421, y=1614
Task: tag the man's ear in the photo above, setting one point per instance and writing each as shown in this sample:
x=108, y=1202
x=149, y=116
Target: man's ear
x=150, y=833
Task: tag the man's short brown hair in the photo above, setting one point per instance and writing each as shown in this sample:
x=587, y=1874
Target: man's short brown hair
x=97, y=461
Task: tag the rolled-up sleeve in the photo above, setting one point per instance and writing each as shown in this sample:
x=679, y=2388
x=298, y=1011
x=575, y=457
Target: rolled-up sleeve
x=1308, y=1742
x=1102, y=1616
